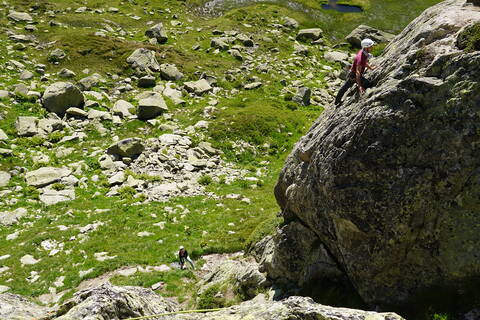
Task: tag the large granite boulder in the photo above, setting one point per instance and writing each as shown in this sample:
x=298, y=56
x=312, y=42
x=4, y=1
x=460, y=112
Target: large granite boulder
x=362, y=31
x=108, y=302
x=60, y=96
x=389, y=182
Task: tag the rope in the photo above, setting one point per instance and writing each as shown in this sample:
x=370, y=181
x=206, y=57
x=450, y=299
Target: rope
x=176, y=312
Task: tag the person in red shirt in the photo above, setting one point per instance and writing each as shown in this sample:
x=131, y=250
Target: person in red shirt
x=360, y=63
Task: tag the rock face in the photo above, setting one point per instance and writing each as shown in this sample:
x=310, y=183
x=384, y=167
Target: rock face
x=15, y=307
x=389, y=183
x=62, y=95
x=291, y=308
x=111, y=302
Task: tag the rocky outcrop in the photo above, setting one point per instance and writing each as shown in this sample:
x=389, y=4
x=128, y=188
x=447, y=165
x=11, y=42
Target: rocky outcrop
x=15, y=307
x=112, y=302
x=389, y=182
x=291, y=308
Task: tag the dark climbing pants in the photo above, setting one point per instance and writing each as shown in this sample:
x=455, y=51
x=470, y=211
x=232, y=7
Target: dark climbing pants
x=349, y=83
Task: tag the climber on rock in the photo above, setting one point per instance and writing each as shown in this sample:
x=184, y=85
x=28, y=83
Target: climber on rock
x=355, y=75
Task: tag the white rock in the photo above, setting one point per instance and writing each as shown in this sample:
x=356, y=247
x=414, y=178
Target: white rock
x=127, y=272
x=28, y=259
x=85, y=272
x=46, y=175
x=4, y=178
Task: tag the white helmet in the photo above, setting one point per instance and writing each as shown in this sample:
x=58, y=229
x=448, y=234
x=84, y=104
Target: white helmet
x=367, y=43
x=181, y=247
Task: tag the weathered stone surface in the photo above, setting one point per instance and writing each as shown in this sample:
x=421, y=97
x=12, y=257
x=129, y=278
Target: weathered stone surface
x=60, y=96
x=87, y=83
x=170, y=71
x=335, y=56
x=109, y=302
x=45, y=176
x=130, y=147
x=4, y=178
x=20, y=16
x=303, y=96
x=11, y=218
x=26, y=126
x=151, y=107
x=56, y=55
x=288, y=309
x=122, y=108
x=290, y=23
x=389, y=182
x=363, y=31
x=146, y=82
x=309, y=34
x=219, y=43
x=3, y=136
x=144, y=60
x=51, y=196
x=198, y=87
x=16, y=307
x=157, y=32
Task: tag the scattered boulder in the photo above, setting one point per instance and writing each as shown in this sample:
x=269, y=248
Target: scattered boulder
x=56, y=55
x=122, y=108
x=219, y=43
x=113, y=302
x=147, y=82
x=144, y=60
x=290, y=23
x=50, y=196
x=309, y=34
x=245, y=40
x=335, y=56
x=26, y=126
x=198, y=87
x=3, y=136
x=87, y=83
x=45, y=176
x=130, y=148
x=169, y=71
x=20, y=16
x=151, y=107
x=76, y=112
x=157, y=32
x=363, y=31
x=12, y=217
x=303, y=96
x=60, y=96
x=253, y=85
x=66, y=74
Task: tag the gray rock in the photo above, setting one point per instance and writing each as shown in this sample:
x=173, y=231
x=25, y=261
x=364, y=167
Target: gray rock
x=130, y=148
x=174, y=95
x=389, y=183
x=147, y=82
x=245, y=40
x=16, y=307
x=56, y=55
x=3, y=136
x=111, y=302
x=122, y=108
x=26, y=75
x=47, y=126
x=290, y=23
x=170, y=72
x=26, y=126
x=157, y=32
x=12, y=217
x=236, y=54
x=20, y=16
x=335, y=56
x=60, y=96
x=150, y=108
x=198, y=87
x=87, y=83
x=253, y=85
x=76, y=112
x=303, y=96
x=66, y=74
x=51, y=196
x=45, y=176
x=219, y=43
x=117, y=178
x=144, y=60
x=363, y=31
x=309, y=34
